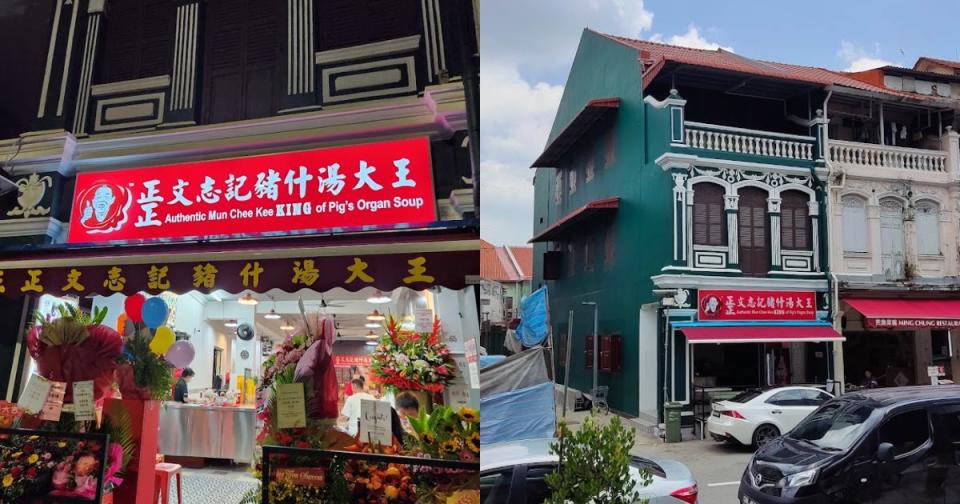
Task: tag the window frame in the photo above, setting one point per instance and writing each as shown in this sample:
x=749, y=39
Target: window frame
x=745, y=252
x=862, y=202
x=795, y=201
x=699, y=197
x=934, y=215
x=897, y=413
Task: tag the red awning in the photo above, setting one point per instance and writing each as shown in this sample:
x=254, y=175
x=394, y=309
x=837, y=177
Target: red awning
x=908, y=313
x=593, y=112
x=760, y=334
x=568, y=223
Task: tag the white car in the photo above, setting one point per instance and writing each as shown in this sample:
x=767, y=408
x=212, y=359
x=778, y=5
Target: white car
x=757, y=417
x=513, y=473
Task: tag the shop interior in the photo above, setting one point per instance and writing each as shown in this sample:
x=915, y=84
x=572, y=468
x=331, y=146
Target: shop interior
x=722, y=370
x=232, y=334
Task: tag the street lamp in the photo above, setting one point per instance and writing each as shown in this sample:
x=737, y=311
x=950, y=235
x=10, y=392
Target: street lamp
x=596, y=336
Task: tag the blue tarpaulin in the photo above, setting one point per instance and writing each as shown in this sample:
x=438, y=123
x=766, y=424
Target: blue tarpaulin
x=534, y=323
x=525, y=413
x=486, y=360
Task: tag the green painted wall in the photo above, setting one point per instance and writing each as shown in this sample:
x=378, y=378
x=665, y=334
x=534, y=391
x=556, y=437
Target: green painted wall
x=639, y=235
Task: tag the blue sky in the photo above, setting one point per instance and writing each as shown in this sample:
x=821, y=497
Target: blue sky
x=527, y=47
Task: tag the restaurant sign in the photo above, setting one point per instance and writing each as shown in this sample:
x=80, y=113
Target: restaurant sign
x=911, y=323
x=382, y=271
x=376, y=184
x=756, y=305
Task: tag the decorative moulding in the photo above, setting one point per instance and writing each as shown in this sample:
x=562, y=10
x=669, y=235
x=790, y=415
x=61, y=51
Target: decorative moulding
x=130, y=86
x=32, y=226
x=393, y=46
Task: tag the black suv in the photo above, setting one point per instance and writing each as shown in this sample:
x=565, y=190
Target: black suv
x=880, y=446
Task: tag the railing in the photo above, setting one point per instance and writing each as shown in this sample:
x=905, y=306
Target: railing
x=747, y=141
x=888, y=156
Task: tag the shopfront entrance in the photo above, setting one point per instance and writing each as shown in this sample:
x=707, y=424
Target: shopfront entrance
x=896, y=342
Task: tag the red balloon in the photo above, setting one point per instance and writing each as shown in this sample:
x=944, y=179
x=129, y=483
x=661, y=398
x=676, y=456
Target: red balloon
x=133, y=306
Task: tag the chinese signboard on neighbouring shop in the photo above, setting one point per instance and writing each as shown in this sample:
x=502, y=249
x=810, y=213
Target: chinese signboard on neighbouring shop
x=377, y=184
x=756, y=305
x=912, y=323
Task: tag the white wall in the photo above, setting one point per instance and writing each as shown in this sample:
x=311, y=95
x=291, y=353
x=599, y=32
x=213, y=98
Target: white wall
x=114, y=305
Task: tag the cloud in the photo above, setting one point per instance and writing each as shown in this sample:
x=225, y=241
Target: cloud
x=692, y=39
x=543, y=36
x=515, y=119
x=858, y=59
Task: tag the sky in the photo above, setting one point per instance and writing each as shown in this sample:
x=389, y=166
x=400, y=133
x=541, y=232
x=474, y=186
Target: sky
x=527, y=46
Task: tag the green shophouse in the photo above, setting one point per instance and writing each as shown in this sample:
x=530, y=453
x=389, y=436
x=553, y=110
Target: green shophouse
x=681, y=190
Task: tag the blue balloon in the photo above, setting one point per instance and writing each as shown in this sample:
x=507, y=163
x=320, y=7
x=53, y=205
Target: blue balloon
x=154, y=312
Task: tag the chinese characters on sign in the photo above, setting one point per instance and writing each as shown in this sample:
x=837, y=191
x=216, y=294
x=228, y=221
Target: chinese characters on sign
x=756, y=305
x=383, y=271
x=377, y=184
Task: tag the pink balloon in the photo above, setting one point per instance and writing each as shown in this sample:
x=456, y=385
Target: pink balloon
x=180, y=354
x=133, y=305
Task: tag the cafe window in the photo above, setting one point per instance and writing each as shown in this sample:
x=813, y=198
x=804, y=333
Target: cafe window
x=754, y=246
x=854, y=224
x=906, y=431
x=795, y=221
x=928, y=228
x=709, y=221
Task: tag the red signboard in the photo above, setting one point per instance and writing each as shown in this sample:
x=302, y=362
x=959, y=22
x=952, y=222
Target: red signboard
x=378, y=184
x=352, y=360
x=756, y=305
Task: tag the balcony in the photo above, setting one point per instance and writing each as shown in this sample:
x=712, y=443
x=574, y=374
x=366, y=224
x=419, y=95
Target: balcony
x=727, y=139
x=885, y=156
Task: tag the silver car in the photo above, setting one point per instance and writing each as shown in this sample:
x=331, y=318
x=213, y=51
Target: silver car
x=513, y=473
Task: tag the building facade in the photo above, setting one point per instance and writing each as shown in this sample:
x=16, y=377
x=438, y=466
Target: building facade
x=697, y=214
x=182, y=89
x=505, y=273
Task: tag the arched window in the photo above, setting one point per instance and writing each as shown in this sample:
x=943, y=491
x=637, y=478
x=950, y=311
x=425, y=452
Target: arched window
x=795, y=231
x=891, y=237
x=709, y=221
x=928, y=228
x=752, y=226
x=854, y=224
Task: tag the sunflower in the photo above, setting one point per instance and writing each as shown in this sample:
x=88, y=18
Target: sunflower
x=473, y=442
x=451, y=445
x=450, y=428
x=428, y=438
x=469, y=415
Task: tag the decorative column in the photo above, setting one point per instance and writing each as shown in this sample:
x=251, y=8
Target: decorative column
x=814, y=212
x=950, y=142
x=773, y=211
x=433, y=36
x=820, y=132
x=681, y=204
x=675, y=105
x=731, y=205
x=95, y=10
x=186, y=59
x=299, y=59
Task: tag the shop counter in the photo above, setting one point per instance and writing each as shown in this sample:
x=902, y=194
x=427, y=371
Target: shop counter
x=222, y=432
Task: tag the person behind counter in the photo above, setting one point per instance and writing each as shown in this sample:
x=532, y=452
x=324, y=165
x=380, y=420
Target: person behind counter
x=180, y=391
x=351, y=407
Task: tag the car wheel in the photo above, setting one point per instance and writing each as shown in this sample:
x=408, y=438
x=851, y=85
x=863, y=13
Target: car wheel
x=764, y=434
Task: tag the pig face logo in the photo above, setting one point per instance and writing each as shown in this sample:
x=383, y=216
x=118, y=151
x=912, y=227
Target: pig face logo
x=103, y=207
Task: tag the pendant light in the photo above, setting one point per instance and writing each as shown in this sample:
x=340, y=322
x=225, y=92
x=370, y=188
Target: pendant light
x=248, y=300
x=378, y=297
x=286, y=326
x=376, y=316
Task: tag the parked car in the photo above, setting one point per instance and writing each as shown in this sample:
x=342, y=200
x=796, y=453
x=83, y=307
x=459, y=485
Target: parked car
x=513, y=473
x=879, y=446
x=757, y=417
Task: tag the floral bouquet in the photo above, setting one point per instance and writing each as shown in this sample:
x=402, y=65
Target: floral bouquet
x=408, y=360
x=46, y=466
x=449, y=434
x=76, y=475
x=75, y=347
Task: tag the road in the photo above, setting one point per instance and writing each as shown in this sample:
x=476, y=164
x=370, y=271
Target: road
x=716, y=466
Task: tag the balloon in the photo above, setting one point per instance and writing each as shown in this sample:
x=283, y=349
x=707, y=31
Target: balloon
x=180, y=354
x=121, y=322
x=154, y=312
x=162, y=340
x=133, y=305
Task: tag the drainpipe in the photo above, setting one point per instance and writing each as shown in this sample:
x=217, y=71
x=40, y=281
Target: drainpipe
x=832, y=282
